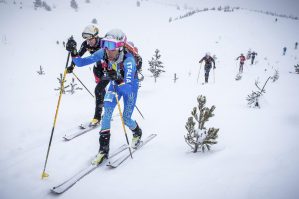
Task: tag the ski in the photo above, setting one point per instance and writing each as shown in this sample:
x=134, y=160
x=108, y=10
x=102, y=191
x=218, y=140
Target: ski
x=80, y=130
x=121, y=159
x=78, y=176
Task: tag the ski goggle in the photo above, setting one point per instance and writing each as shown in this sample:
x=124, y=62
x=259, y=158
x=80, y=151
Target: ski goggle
x=111, y=44
x=87, y=35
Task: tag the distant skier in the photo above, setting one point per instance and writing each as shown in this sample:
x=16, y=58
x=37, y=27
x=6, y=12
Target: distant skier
x=284, y=50
x=208, y=65
x=253, y=54
x=296, y=45
x=121, y=70
x=242, y=60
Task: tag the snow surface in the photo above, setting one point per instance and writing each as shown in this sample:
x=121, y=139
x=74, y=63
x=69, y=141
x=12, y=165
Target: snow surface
x=256, y=156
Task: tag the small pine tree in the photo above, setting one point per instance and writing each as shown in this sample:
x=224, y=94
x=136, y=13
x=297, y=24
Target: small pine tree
x=200, y=138
x=37, y=4
x=275, y=77
x=87, y=1
x=297, y=68
x=138, y=3
x=46, y=6
x=175, y=78
x=40, y=71
x=62, y=86
x=73, y=87
x=156, y=65
x=253, y=98
x=74, y=5
x=94, y=21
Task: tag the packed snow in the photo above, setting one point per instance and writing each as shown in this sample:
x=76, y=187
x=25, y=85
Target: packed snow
x=256, y=154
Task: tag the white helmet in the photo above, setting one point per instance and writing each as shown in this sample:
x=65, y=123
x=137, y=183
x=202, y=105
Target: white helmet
x=208, y=54
x=117, y=35
x=90, y=31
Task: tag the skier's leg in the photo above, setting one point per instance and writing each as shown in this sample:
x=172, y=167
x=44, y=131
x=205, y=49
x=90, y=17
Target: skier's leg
x=109, y=106
x=129, y=105
x=99, y=95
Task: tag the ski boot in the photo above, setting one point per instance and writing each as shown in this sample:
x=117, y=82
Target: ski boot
x=104, y=148
x=136, y=140
x=94, y=122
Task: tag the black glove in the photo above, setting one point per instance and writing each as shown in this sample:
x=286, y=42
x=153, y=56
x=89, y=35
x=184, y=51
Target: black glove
x=70, y=69
x=71, y=46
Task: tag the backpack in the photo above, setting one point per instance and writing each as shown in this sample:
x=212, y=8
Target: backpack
x=129, y=47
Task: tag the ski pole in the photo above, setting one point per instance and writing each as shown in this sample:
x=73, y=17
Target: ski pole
x=139, y=111
x=44, y=174
x=83, y=84
x=214, y=74
x=122, y=121
x=199, y=72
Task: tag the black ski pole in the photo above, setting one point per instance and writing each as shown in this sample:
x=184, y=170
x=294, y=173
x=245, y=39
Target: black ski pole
x=44, y=174
x=82, y=84
x=139, y=111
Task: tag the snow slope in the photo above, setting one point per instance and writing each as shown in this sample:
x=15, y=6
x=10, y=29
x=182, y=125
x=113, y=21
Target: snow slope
x=256, y=154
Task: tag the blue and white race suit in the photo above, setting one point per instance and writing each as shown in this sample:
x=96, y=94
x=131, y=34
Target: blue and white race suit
x=128, y=89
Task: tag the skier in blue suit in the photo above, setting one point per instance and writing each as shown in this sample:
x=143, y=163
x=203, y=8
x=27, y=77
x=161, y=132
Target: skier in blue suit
x=120, y=68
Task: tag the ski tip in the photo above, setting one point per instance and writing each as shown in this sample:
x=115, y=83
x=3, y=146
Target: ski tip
x=110, y=165
x=53, y=190
x=65, y=138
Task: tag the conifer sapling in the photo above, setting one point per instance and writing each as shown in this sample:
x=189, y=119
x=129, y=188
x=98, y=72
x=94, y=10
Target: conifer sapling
x=200, y=138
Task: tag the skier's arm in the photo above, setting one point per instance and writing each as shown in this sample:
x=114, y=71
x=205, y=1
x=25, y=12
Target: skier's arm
x=213, y=62
x=97, y=56
x=201, y=60
x=80, y=53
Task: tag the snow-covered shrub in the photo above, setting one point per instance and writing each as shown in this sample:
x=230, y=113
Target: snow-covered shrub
x=94, y=21
x=275, y=77
x=199, y=138
x=74, y=4
x=297, y=68
x=253, y=98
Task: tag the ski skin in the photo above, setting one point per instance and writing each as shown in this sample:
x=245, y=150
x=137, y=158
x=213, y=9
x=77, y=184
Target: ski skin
x=78, y=176
x=121, y=159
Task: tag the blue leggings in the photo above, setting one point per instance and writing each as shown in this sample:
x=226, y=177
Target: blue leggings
x=129, y=105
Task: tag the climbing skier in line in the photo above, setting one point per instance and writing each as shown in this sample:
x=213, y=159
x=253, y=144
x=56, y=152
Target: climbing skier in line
x=121, y=71
x=208, y=65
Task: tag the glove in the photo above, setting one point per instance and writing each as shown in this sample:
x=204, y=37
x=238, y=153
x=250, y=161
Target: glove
x=214, y=67
x=71, y=46
x=70, y=69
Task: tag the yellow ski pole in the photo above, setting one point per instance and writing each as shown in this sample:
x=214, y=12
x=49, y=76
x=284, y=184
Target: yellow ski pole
x=44, y=174
x=122, y=121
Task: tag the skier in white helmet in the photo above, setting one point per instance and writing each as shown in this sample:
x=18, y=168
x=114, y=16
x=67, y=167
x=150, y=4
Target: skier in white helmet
x=91, y=44
x=121, y=71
